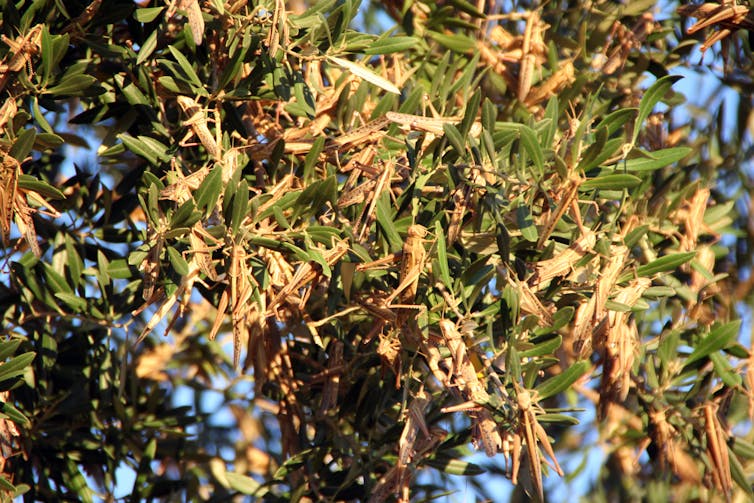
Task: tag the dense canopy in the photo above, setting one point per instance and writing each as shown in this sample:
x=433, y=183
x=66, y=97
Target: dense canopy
x=327, y=251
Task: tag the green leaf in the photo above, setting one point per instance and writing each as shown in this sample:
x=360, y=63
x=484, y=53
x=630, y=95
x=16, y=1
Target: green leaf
x=616, y=120
x=16, y=366
x=385, y=221
x=724, y=370
x=658, y=292
x=453, y=466
x=562, y=381
x=72, y=85
x=315, y=255
x=5, y=485
x=556, y=419
x=455, y=138
x=716, y=340
x=314, y=197
x=547, y=347
x=468, y=8
x=187, y=68
x=742, y=448
x=175, y=86
x=177, y=261
x=531, y=145
x=442, y=256
x=23, y=144
x=635, y=235
x=470, y=113
x=28, y=182
x=312, y=157
x=508, y=131
x=738, y=473
x=47, y=55
x=41, y=120
x=148, y=148
x=392, y=44
x=134, y=96
x=185, y=216
x=76, y=482
x=526, y=224
x=7, y=348
x=242, y=483
x=148, y=14
x=651, y=97
x=49, y=141
x=365, y=73
x=119, y=269
x=15, y=415
x=664, y=264
x=144, y=470
x=55, y=281
x=656, y=160
x=208, y=193
x=72, y=300
x=240, y=206
x=454, y=42
x=147, y=48
x=607, y=151
x=611, y=182
x=551, y=123
x=715, y=214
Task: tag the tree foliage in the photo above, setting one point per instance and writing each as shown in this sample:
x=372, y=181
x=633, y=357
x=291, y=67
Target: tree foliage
x=474, y=229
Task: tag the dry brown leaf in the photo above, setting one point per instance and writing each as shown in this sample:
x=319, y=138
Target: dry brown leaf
x=10, y=438
x=555, y=83
x=669, y=449
x=727, y=17
x=195, y=19
x=151, y=364
x=464, y=377
x=567, y=200
x=717, y=449
x=197, y=120
x=624, y=41
x=693, y=219
x=412, y=264
x=620, y=346
x=563, y=262
x=21, y=52
x=529, y=303
x=8, y=110
x=8, y=190
x=584, y=327
x=527, y=431
x=248, y=425
x=306, y=273
x=331, y=388
x=184, y=288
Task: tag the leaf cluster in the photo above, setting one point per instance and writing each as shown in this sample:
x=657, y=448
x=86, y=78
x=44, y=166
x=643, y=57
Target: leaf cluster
x=475, y=229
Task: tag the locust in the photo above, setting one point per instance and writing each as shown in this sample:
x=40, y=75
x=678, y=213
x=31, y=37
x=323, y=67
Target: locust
x=24, y=47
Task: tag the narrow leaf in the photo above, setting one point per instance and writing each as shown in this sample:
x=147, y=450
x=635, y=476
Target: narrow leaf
x=664, y=264
x=716, y=340
x=442, y=255
x=242, y=483
x=651, y=97
x=562, y=381
x=656, y=160
x=390, y=45
x=16, y=366
x=366, y=74
x=611, y=182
